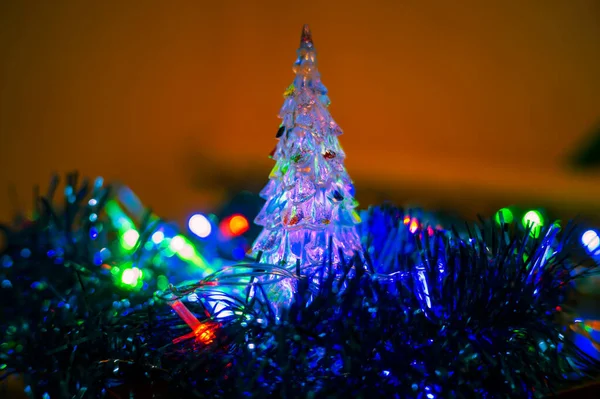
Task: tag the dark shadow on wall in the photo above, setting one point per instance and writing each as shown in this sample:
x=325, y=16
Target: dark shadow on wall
x=587, y=155
x=206, y=171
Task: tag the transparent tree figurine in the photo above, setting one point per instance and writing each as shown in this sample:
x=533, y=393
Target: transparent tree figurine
x=310, y=194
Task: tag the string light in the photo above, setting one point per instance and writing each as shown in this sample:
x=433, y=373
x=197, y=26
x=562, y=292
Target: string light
x=158, y=237
x=590, y=240
x=131, y=276
x=162, y=282
x=130, y=238
x=414, y=225
x=200, y=225
x=238, y=225
x=185, y=250
x=234, y=226
x=504, y=215
x=203, y=332
x=177, y=243
x=534, y=221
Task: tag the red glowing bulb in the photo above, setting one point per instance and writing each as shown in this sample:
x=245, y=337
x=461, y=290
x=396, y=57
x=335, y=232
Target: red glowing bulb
x=234, y=226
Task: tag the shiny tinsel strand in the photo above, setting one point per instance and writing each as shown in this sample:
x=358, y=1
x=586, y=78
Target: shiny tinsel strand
x=424, y=314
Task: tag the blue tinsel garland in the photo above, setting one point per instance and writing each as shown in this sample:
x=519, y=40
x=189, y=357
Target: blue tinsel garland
x=426, y=315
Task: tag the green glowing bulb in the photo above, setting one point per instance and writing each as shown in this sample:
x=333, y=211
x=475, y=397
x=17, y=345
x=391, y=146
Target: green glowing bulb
x=130, y=239
x=187, y=252
x=162, y=282
x=534, y=221
x=131, y=276
x=505, y=215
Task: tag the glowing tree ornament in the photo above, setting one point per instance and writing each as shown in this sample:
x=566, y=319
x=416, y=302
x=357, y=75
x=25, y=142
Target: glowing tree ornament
x=309, y=195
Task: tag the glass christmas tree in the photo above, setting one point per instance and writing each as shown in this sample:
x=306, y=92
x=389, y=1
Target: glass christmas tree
x=309, y=195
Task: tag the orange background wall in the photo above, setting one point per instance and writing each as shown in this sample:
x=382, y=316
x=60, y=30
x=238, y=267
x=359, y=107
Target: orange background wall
x=470, y=99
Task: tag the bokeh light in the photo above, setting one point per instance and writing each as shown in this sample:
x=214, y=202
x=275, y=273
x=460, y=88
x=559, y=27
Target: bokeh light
x=200, y=225
x=504, y=215
x=238, y=253
x=534, y=221
x=234, y=226
x=238, y=225
x=158, y=237
x=590, y=240
x=177, y=243
x=131, y=276
x=130, y=238
x=414, y=225
x=162, y=282
x=187, y=252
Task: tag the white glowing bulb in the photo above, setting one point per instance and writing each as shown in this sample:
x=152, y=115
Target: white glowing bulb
x=131, y=276
x=200, y=225
x=177, y=243
x=187, y=252
x=591, y=240
x=130, y=238
x=158, y=237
